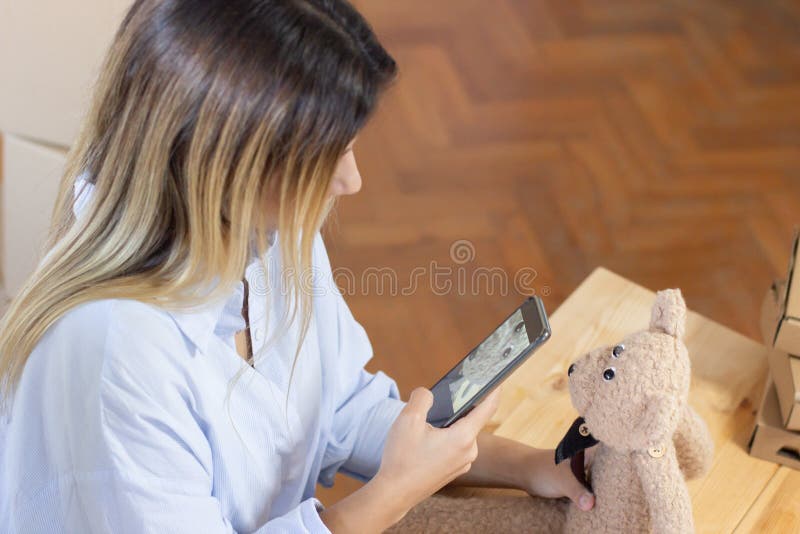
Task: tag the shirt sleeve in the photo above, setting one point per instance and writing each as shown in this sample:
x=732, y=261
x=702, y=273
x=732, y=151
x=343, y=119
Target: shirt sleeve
x=366, y=406
x=110, y=502
x=156, y=472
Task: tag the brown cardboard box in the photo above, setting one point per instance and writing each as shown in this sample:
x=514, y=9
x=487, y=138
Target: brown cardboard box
x=783, y=330
x=785, y=371
x=784, y=367
x=31, y=176
x=50, y=52
x=771, y=311
x=770, y=441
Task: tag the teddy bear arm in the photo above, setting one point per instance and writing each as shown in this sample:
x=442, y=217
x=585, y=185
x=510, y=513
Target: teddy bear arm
x=694, y=445
x=665, y=493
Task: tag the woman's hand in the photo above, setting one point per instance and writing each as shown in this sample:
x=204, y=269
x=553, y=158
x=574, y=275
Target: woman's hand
x=419, y=459
x=505, y=463
x=546, y=479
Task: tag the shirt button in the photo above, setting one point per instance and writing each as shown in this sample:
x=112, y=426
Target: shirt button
x=257, y=334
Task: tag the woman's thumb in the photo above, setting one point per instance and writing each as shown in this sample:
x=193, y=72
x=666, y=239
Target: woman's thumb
x=420, y=401
x=578, y=493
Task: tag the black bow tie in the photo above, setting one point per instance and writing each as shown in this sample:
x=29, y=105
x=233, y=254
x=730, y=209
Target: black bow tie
x=572, y=446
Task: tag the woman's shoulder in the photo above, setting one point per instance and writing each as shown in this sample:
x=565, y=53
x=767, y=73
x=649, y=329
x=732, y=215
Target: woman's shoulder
x=108, y=334
x=102, y=353
x=116, y=319
x=102, y=368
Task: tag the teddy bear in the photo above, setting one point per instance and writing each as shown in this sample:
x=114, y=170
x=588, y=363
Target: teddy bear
x=632, y=398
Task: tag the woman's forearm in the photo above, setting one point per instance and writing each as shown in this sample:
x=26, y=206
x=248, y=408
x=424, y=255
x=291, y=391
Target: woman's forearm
x=372, y=508
x=501, y=463
x=505, y=463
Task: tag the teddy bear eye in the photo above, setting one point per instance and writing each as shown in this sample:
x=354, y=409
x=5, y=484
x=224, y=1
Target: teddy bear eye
x=507, y=352
x=608, y=374
x=616, y=351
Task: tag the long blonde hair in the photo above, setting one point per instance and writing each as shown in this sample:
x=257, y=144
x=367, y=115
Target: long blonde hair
x=204, y=113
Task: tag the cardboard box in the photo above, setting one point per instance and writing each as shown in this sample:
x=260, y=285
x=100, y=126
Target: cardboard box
x=784, y=331
x=770, y=441
x=784, y=367
x=50, y=52
x=771, y=311
x=31, y=176
x=785, y=371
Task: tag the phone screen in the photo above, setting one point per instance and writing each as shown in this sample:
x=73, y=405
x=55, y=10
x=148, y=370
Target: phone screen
x=489, y=362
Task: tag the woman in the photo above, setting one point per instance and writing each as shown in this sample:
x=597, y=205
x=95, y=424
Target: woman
x=181, y=361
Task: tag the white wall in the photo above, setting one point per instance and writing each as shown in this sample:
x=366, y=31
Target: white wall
x=31, y=174
x=50, y=53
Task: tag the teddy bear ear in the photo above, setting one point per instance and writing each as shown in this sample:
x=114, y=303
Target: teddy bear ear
x=669, y=313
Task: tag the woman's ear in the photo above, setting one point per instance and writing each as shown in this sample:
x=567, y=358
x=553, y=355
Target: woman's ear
x=669, y=313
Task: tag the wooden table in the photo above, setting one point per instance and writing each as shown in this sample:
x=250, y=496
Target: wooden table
x=740, y=493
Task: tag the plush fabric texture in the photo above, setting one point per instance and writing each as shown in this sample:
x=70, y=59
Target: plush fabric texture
x=483, y=511
x=634, y=398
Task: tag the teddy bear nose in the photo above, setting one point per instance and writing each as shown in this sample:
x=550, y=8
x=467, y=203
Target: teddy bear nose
x=571, y=369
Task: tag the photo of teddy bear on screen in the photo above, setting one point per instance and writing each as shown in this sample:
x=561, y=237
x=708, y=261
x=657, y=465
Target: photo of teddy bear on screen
x=485, y=362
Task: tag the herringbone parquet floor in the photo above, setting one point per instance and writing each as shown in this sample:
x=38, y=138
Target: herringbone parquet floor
x=658, y=139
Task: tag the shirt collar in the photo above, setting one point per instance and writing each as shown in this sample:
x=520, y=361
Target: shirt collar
x=222, y=316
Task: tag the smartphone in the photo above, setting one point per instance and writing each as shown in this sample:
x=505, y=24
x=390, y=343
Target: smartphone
x=488, y=364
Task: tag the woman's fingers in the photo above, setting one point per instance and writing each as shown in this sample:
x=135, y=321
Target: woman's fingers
x=474, y=421
x=419, y=402
x=419, y=459
x=573, y=488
